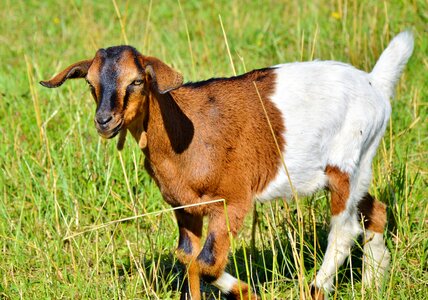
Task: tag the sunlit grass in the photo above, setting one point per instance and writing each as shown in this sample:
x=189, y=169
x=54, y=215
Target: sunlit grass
x=59, y=178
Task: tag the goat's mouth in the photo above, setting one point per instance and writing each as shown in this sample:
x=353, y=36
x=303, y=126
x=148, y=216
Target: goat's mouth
x=111, y=131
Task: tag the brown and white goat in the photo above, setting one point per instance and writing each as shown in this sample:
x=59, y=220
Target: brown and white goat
x=208, y=140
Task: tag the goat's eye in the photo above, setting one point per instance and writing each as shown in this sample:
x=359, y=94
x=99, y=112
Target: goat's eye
x=137, y=82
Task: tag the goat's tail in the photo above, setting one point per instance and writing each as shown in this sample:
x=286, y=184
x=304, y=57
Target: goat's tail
x=391, y=63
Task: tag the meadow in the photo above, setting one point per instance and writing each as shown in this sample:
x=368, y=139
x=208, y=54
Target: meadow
x=64, y=190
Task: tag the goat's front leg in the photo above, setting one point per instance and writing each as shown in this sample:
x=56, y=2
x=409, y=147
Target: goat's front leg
x=213, y=257
x=190, y=230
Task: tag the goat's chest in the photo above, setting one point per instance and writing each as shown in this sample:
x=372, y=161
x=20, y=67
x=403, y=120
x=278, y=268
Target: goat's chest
x=179, y=182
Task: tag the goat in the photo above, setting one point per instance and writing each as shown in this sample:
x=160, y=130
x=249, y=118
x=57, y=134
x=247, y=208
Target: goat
x=220, y=138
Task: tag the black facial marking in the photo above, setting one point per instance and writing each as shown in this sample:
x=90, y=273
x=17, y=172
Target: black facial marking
x=113, y=99
x=109, y=76
x=128, y=92
x=100, y=97
x=116, y=51
x=108, y=85
x=137, y=63
x=184, y=243
x=207, y=255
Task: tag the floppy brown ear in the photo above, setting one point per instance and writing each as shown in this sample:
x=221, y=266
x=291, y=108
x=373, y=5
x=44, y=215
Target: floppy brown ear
x=164, y=77
x=77, y=70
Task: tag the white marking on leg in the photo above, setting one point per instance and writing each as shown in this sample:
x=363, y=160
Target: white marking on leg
x=225, y=282
x=344, y=229
x=376, y=258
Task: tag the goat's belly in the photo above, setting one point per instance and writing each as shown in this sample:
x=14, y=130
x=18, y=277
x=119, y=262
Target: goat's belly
x=302, y=180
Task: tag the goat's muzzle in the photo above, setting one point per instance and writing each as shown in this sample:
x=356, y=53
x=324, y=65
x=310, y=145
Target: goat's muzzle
x=108, y=126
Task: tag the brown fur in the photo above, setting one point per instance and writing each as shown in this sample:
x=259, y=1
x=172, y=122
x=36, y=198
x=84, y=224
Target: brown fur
x=212, y=133
x=243, y=289
x=163, y=76
x=373, y=213
x=210, y=156
x=339, y=188
x=77, y=70
x=200, y=146
x=316, y=293
x=190, y=227
x=92, y=77
x=202, y=141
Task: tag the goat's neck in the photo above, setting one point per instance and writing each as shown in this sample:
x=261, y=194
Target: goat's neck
x=166, y=126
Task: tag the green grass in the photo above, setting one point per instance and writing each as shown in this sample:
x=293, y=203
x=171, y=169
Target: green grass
x=58, y=177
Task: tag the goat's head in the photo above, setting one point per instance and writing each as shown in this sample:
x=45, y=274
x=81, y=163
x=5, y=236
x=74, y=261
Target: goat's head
x=120, y=79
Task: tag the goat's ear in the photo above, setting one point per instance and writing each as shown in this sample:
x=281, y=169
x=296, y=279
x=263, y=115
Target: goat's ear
x=164, y=77
x=77, y=70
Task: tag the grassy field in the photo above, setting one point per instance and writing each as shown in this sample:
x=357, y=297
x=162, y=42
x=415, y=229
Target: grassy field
x=59, y=178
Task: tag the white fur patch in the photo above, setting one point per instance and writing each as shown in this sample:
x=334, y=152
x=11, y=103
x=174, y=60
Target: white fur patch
x=331, y=115
x=376, y=258
x=334, y=114
x=344, y=229
x=225, y=282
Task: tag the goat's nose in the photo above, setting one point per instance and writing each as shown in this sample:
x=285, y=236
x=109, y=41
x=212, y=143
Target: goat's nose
x=103, y=119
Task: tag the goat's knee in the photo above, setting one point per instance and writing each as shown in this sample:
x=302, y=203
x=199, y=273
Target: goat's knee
x=190, y=230
x=213, y=257
x=187, y=248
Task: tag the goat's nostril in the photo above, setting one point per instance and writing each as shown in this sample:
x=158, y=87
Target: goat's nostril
x=102, y=120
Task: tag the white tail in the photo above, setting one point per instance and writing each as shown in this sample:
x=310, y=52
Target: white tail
x=391, y=63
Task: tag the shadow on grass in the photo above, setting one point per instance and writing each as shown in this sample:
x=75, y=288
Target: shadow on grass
x=164, y=275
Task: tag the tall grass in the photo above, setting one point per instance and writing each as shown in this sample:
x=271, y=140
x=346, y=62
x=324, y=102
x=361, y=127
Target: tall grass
x=59, y=178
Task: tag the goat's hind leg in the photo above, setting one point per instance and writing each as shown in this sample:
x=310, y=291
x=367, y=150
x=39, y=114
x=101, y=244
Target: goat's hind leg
x=349, y=202
x=376, y=256
x=345, y=228
x=190, y=230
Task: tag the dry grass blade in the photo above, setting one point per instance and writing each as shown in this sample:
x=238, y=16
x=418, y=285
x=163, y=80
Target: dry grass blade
x=97, y=227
